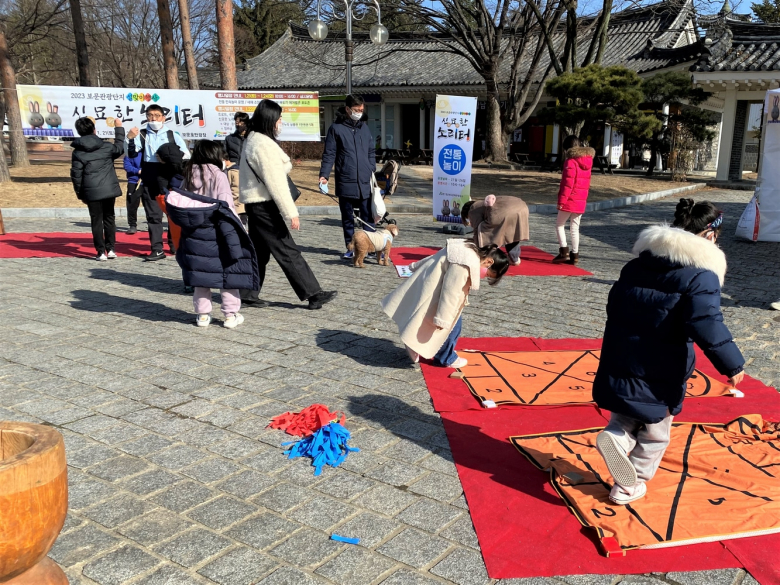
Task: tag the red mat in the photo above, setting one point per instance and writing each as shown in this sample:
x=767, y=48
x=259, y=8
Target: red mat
x=65, y=245
x=525, y=529
x=535, y=262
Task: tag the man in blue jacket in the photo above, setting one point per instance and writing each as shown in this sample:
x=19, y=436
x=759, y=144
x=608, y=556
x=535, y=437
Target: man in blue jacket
x=147, y=142
x=350, y=146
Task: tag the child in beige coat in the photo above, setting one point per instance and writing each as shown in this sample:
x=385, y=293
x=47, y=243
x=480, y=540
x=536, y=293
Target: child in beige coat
x=427, y=307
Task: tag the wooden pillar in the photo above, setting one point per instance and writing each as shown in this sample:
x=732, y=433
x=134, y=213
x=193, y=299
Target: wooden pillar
x=383, y=122
x=422, y=127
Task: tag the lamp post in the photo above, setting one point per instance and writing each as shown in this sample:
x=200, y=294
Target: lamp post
x=318, y=31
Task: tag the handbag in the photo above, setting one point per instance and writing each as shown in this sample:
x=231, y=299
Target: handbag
x=294, y=191
x=378, y=209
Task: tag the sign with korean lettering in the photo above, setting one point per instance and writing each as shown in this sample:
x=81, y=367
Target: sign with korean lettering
x=453, y=148
x=49, y=110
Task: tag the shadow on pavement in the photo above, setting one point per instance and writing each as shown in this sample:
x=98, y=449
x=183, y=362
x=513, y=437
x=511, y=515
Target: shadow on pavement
x=367, y=351
x=393, y=415
x=100, y=302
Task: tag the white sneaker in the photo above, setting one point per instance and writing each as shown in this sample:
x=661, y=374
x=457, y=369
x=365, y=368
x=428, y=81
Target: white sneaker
x=101, y=258
x=514, y=262
x=413, y=355
x=459, y=363
x=203, y=320
x=775, y=305
x=233, y=321
x=616, y=458
x=111, y=255
x=625, y=495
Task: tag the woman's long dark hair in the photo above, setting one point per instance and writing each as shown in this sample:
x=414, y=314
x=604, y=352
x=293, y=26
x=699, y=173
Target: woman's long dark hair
x=696, y=217
x=267, y=114
x=499, y=257
x=206, y=152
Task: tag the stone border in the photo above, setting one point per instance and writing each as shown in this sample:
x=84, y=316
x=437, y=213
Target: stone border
x=81, y=212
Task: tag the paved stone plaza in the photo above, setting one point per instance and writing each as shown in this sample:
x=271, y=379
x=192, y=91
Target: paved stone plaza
x=174, y=477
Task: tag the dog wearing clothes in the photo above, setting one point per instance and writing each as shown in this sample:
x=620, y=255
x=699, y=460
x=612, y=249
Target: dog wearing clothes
x=379, y=241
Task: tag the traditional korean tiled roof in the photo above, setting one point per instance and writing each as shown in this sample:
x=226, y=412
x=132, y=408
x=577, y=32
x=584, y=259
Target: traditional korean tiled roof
x=734, y=44
x=643, y=39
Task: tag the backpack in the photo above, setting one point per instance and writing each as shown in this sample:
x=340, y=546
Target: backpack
x=142, y=134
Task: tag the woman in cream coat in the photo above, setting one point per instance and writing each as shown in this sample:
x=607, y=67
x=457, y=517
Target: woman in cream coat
x=427, y=307
x=270, y=208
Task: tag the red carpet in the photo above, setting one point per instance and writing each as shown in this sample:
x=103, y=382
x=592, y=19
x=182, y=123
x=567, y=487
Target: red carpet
x=518, y=516
x=64, y=245
x=535, y=262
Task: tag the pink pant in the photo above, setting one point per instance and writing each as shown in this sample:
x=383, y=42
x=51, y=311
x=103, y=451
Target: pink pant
x=231, y=301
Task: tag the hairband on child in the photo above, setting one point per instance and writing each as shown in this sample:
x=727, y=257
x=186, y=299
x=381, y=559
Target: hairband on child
x=716, y=223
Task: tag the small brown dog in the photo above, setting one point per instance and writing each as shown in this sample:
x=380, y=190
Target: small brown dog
x=379, y=241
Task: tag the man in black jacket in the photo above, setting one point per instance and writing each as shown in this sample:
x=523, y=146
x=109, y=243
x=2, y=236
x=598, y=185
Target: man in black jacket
x=95, y=181
x=350, y=146
x=234, y=143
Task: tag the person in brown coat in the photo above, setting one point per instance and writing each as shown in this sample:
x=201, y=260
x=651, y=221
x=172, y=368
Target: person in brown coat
x=502, y=221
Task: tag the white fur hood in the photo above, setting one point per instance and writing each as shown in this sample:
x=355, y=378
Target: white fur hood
x=459, y=253
x=682, y=247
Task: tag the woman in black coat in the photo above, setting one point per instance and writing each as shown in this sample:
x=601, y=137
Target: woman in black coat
x=266, y=191
x=665, y=300
x=95, y=182
x=349, y=148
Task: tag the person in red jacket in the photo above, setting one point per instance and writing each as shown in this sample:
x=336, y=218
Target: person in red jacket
x=572, y=197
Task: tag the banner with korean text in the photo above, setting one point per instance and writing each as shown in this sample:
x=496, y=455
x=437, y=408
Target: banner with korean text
x=453, y=148
x=49, y=110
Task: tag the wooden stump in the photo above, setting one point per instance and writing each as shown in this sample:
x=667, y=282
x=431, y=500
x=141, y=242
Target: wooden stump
x=2, y=225
x=33, y=503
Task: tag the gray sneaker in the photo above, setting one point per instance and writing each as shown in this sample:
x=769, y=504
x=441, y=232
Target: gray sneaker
x=616, y=458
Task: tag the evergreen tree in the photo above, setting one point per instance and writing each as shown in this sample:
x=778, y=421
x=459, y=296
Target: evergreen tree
x=683, y=127
x=260, y=23
x=768, y=11
x=594, y=94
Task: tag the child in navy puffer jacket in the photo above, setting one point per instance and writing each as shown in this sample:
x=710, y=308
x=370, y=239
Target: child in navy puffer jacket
x=214, y=250
x=665, y=300
x=133, y=170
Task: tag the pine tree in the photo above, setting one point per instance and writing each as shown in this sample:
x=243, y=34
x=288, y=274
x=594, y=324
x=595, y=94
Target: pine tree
x=594, y=94
x=768, y=11
x=260, y=23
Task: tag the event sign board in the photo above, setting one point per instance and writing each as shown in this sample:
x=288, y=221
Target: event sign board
x=49, y=110
x=453, y=145
x=761, y=219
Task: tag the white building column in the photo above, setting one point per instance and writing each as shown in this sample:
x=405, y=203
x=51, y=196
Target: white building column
x=556, y=142
x=726, y=134
x=383, y=123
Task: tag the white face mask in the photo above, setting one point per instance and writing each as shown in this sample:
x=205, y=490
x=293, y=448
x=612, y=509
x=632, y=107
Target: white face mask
x=154, y=125
x=224, y=166
x=356, y=116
